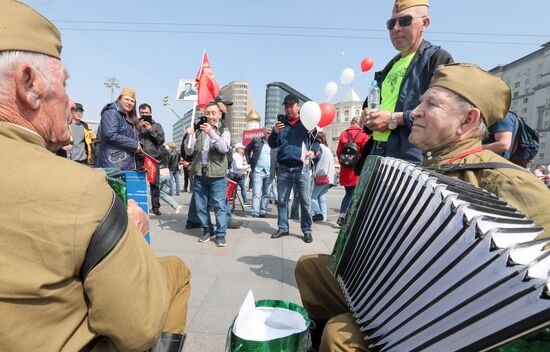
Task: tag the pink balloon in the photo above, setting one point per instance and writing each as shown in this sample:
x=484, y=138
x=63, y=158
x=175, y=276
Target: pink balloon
x=367, y=64
x=328, y=112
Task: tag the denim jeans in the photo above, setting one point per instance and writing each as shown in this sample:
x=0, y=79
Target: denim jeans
x=164, y=182
x=175, y=175
x=209, y=192
x=298, y=177
x=346, y=200
x=319, y=200
x=273, y=188
x=261, y=182
x=192, y=212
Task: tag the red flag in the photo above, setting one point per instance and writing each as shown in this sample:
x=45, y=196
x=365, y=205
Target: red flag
x=207, y=86
x=150, y=166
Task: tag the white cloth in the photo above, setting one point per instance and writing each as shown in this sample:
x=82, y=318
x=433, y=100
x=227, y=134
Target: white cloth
x=239, y=165
x=325, y=165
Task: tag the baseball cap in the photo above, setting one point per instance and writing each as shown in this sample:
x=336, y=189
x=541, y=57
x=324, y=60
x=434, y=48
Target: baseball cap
x=291, y=99
x=221, y=99
x=78, y=106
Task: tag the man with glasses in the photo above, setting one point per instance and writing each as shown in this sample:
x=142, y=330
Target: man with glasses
x=404, y=79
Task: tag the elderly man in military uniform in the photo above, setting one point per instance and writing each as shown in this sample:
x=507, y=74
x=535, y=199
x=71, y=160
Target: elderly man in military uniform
x=449, y=125
x=77, y=274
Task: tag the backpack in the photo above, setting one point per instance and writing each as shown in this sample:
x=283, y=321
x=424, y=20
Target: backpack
x=526, y=145
x=350, y=151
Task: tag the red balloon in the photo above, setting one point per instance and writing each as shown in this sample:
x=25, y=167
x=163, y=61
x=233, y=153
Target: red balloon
x=328, y=112
x=367, y=64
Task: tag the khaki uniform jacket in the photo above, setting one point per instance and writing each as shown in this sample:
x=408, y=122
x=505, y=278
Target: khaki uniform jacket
x=50, y=208
x=520, y=188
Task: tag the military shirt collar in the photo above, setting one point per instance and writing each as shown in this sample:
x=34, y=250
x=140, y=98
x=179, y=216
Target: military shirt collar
x=21, y=133
x=442, y=155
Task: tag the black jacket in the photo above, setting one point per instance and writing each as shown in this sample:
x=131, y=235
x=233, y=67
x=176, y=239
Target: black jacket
x=415, y=82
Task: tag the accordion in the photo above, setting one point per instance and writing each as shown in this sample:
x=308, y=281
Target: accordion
x=431, y=263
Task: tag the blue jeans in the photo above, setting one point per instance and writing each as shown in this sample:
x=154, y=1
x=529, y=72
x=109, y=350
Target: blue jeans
x=210, y=193
x=261, y=182
x=164, y=182
x=346, y=200
x=273, y=189
x=176, y=176
x=319, y=200
x=192, y=212
x=298, y=177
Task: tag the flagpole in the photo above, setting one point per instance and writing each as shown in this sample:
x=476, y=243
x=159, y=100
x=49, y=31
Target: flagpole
x=192, y=123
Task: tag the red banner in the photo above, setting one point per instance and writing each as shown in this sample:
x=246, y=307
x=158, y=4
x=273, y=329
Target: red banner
x=249, y=135
x=150, y=166
x=207, y=87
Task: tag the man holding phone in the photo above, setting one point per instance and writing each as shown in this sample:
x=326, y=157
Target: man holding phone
x=296, y=146
x=151, y=137
x=209, y=146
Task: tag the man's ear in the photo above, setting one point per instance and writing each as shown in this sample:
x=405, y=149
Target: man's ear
x=426, y=22
x=471, y=121
x=27, y=86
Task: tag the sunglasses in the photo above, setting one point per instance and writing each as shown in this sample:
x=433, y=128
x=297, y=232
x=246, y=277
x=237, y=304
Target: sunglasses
x=404, y=21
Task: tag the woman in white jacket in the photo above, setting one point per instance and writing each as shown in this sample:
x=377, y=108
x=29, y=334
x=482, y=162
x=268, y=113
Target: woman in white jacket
x=323, y=179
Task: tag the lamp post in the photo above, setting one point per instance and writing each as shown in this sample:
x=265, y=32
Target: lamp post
x=111, y=83
x=168, y=106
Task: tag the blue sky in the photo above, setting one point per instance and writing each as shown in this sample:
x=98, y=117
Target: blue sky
x=151, y=45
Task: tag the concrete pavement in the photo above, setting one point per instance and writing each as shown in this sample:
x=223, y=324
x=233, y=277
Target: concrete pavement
x=221, y=277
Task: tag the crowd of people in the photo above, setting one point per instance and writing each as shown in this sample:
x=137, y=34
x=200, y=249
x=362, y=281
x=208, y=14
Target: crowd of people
x=429, y=115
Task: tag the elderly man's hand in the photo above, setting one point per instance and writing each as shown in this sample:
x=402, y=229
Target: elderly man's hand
x=377, y=120
x=206, y=128
x=138, y=216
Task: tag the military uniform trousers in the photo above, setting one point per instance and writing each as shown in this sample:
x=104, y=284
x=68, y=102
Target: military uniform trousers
x=323, y=299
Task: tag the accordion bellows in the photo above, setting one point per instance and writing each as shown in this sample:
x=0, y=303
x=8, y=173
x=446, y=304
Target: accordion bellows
x=432, y=263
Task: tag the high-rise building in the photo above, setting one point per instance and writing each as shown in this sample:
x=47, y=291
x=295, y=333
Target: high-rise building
x=275, y=94
x=529, y=78
x=178, y=128
x=348, y=107
x=235, y=119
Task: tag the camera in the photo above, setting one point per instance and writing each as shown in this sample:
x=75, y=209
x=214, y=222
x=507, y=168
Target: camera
x=146, y=118
x=198, y=124
x=281, y=117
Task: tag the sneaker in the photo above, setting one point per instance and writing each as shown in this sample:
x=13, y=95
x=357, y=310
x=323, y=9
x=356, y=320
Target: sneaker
x=156, y=212
x=263, y=215
x=317, y=217
x=192, y=225
x=205, y=237
x=220, y=242
x=178, y=209
x=308, y=238
x=341, y=221
x=234, y=224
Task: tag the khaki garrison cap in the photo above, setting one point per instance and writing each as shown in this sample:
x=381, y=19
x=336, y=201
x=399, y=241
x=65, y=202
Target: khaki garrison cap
x=24, y=29
x=401, y=5
x=486, y=91
x=128, y=92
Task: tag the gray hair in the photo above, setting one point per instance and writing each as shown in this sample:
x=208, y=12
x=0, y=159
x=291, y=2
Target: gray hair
x=461, y=105
x=9, y=60
x=422, y=11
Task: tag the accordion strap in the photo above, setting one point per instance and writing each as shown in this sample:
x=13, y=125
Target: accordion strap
x=479, y=166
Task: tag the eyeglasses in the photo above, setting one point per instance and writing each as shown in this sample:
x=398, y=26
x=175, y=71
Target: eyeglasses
x=404, y=21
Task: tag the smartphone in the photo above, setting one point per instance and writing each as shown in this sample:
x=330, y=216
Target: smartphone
x=148, y=119
x=281, y=117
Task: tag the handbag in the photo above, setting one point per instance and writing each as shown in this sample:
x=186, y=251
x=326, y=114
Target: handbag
x=321, y=180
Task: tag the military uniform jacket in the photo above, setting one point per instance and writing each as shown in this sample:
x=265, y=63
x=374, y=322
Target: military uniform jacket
x=519, y=187
x=51, y=208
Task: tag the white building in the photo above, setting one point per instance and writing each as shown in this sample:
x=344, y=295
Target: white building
x=529, y=78
x=241, y=96
x=348, y=107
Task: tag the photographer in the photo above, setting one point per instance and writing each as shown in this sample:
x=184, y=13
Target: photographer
x=151, y=137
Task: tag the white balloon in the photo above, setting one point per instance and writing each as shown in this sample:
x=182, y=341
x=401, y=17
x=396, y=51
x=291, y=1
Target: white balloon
x=347, y=76
x=331, y=89
x=310, y=115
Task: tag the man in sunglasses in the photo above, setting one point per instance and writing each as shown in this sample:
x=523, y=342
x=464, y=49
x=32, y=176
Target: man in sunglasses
x=404, y=79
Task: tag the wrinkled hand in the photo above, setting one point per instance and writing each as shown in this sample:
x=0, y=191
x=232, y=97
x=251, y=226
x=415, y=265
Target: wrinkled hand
x=206, y=128
x=67, y=147
x=278, y=127
x=309, y=154
x=377, y=120
x=190, y=130
x=138, y=216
